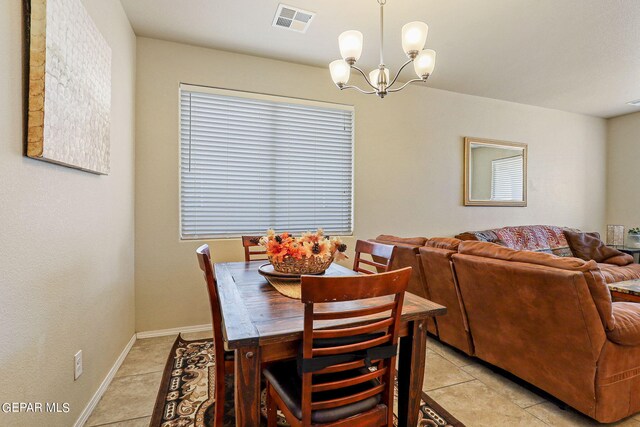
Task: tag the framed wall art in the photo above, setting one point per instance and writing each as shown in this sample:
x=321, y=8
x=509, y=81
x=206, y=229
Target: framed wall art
x=69, y=101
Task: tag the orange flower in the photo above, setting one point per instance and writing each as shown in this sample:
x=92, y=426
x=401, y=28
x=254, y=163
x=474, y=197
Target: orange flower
x=279, y=246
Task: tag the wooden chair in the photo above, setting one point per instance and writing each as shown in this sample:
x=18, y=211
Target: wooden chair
x=381, y=256
x=333, y=386
x=249, y=242
x=224, y=359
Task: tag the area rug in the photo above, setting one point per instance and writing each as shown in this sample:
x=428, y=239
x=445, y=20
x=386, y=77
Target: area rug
x=185, y=398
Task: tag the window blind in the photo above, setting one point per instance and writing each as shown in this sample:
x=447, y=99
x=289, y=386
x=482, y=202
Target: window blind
x=506, y=178
x=250, y=162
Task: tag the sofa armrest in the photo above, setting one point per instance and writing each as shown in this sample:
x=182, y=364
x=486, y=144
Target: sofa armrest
x=626, y=328
x=404, y=255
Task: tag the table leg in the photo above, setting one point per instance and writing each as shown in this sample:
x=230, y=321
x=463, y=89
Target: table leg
x=413, y=349
x=247, y=386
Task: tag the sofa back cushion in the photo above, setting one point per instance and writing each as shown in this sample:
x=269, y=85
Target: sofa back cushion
x=592, y=275
x=448, y=243
x=538, y=238
x=492, y=250
x=390, y=239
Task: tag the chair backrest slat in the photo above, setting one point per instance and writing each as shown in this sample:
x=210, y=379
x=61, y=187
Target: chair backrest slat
x=375, y=333
x=356, y=330
x=249, y=242
x=350, y=348
x=381, y=256
x=373, y=263
x=334, y=403
x=341, y=367
x=330, y=315
x=333, y=385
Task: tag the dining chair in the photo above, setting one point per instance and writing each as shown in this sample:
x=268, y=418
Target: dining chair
x=345, y=375
x=224, y=359
x=381, y=256
x=249, y=242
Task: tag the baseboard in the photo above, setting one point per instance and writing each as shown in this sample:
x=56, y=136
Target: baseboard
x=84, y=416
x=173, y=331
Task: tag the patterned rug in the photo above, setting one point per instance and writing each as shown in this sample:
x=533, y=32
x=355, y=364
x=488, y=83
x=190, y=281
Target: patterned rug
x=185, y=398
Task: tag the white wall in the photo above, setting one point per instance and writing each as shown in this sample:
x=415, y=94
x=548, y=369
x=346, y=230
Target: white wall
x=408, y=165
x=66, y=241
x=623, y=171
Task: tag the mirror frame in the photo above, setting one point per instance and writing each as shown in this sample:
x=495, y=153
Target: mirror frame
x=467, y=184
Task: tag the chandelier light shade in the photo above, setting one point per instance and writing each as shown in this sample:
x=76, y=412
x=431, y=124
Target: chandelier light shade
x=350, y=43
x=340, y=71
x=424, y=63
x=414, y=38
x=373, y=76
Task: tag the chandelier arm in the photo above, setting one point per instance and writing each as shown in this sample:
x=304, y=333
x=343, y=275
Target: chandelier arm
x=405, y=85
x=358, y=89
x=398, y=73
x=364, y=75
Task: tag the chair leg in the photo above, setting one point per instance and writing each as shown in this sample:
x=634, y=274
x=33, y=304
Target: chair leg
x=219, y=394
x=272, y=408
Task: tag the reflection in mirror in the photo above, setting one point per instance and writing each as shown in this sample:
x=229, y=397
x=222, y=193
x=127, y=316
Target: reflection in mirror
x=495, y=173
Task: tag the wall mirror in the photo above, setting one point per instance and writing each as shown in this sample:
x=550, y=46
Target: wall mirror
x=495, y=173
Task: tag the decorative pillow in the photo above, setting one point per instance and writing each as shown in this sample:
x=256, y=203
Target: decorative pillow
x=588, y=246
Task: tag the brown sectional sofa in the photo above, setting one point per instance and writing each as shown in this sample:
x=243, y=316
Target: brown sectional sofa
x=551, y=322
x=547, y=319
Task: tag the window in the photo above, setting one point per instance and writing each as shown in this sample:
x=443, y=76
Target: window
x=249, y=162
x=506, y=178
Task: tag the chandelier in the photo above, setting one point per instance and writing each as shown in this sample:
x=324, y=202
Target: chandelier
x=414, y=37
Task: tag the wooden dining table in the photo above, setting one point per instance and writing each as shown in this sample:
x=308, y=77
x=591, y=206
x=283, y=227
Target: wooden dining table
x=261, y=326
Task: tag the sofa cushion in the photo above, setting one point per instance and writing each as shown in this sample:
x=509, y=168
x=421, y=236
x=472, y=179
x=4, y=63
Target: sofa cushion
x=387, y=238
x=448, y=243
x=492, y=250
x=588, y=246
x=615, y=273
x=626, y=329
x=538, y=238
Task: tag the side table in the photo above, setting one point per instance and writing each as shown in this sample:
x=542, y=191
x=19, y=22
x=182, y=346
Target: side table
x=625, y=291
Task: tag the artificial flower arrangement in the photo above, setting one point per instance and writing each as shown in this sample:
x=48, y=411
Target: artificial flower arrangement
x=311, y=253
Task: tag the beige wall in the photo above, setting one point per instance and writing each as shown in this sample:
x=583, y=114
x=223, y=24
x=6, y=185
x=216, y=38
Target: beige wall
x=408, y=165
x=66, y=241
x=623, y=171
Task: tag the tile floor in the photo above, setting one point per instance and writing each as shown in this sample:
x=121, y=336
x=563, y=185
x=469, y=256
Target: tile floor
x=469, y=390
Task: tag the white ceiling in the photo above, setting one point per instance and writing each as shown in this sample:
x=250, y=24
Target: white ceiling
x=574, y=55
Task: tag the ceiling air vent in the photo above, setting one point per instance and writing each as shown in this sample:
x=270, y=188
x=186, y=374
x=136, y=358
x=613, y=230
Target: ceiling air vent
x=292, y=18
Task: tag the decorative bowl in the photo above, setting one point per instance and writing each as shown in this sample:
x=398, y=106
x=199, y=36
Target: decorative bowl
x=633, y=240
x=311, y=265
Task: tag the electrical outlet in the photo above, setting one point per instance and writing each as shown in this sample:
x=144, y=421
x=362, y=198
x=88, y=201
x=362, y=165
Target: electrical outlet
x=77, y=365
